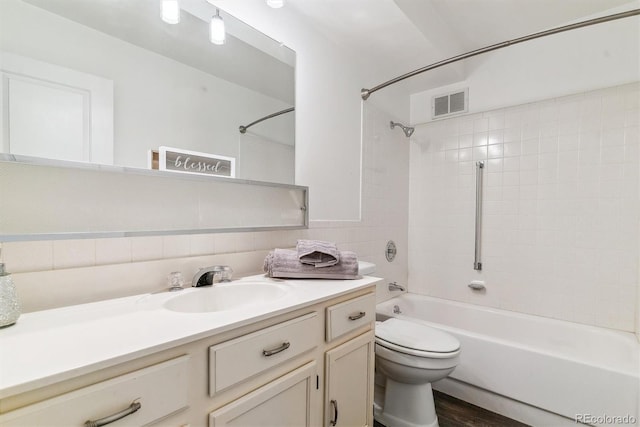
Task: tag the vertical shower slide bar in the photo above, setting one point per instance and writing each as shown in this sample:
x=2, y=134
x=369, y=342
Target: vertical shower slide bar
x=477, y=262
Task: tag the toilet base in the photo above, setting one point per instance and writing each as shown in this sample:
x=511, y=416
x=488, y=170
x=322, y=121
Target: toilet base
x=405, y=405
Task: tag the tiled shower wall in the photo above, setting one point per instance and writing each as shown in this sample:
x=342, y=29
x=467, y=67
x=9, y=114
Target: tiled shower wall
x=63, y=272
x=561, y=207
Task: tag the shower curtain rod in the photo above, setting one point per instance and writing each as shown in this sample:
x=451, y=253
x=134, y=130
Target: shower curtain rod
x=243, y=129
x=365, y=93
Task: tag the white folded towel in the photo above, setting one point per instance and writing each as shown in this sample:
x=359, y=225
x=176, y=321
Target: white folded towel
x=284, y=264
x=318, y=253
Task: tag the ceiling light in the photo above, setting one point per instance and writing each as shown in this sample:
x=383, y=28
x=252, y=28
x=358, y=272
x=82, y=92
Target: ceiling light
x=276, y=4
x=170, y=11
x=217, y=33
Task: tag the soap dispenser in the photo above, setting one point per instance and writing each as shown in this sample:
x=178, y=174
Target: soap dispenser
x=9, y=304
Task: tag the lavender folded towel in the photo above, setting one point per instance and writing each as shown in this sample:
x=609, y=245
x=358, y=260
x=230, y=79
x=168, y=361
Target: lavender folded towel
x=318, y=253
x=284, y=263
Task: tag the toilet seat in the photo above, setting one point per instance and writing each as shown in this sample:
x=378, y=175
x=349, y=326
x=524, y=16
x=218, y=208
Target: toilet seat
x=416, y=339
x=414, y=352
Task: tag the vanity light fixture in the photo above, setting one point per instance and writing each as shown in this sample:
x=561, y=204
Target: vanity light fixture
x=170, y=11
x=217, y=33
x=276, y=4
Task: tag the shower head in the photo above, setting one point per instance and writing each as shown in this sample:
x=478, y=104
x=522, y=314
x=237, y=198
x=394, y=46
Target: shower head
x=408, y=131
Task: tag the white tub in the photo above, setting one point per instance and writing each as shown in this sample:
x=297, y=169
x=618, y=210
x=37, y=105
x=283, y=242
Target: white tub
x=560, y=367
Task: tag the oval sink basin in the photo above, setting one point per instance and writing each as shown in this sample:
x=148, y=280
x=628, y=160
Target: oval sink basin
x=226, y=296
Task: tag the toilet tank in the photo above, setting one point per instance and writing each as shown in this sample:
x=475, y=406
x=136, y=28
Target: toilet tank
x=366, y=268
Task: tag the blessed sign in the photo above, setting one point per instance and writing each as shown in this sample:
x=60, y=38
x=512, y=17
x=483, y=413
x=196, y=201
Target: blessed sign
x=177, y=160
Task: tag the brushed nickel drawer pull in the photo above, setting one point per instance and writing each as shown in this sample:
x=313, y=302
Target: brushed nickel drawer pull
x=285, y=345
x=357, y=316
x=334, y=421
x=134, y=407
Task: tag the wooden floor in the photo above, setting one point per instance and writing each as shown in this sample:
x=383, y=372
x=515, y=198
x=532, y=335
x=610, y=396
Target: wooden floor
x=453, y=412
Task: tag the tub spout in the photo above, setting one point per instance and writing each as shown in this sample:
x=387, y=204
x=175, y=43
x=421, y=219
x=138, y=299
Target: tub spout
x=393, y=286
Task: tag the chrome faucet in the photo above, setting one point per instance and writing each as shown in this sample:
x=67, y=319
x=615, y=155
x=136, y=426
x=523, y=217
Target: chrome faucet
x=207, y=276
x=393, y=286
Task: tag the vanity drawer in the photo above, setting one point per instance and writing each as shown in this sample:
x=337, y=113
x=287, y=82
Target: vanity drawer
x=239, y=359
x=350, y=315
x=160, y=390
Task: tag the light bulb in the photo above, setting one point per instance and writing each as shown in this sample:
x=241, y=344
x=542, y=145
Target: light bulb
x=217, y=33
x=170, y=11
x=276, y=4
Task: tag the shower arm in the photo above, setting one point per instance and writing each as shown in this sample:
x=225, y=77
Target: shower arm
x=365, y=93
x=243, y=129
x=408, y=131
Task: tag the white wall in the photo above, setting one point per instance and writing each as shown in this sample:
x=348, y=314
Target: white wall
x=561, y=207
x=595, y=57
x=385, y=194
x=157, y=101
x=261, y=159
x=328, y=108
x=568, y=287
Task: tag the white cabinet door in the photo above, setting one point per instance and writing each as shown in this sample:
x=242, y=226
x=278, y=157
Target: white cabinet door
x=349, y=383
x=285, y=402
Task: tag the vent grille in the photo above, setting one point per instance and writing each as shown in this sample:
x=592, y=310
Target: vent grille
x=449, y=104
x=441, y=105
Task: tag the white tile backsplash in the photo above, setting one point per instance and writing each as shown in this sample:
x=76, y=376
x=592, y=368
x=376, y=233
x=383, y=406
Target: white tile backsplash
x=177, y=246
x=561, y=209
x=28, y=256
x=73, y=253
x=113, y=251
x=146, y=248
x=202, y=244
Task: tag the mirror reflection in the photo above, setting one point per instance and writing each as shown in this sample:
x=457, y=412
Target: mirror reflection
x=110, y=82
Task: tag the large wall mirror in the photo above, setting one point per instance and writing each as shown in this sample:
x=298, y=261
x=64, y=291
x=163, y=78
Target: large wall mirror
x=109, y=82
x=92, y=89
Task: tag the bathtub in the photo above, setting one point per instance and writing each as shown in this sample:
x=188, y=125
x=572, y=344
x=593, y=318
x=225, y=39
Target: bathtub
x=532, y=368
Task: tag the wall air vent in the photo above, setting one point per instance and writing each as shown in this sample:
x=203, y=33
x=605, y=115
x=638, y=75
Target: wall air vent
x=450, y=104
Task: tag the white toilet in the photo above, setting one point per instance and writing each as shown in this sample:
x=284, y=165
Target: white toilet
x=409, y=357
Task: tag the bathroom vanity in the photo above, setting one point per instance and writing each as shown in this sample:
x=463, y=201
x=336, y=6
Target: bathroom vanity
x=260, y=352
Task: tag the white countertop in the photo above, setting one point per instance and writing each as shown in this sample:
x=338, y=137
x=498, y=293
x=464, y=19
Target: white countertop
x=49, y=346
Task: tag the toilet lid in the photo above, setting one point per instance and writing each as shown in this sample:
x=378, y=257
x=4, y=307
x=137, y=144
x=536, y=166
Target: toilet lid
x=416, y=336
